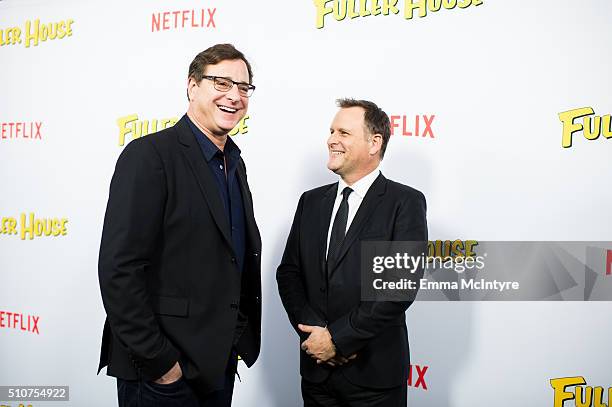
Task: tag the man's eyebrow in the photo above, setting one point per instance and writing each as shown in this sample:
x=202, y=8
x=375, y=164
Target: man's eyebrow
x=342, y=129
x=228, y=78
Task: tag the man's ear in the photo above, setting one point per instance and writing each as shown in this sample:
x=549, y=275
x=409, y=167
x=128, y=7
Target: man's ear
x=191, y=83
x=376, y=141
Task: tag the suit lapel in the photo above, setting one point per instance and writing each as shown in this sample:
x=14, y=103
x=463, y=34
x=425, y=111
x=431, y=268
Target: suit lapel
x=367, y=207
x=253, y=232
x=327, y=205
x=206, y=182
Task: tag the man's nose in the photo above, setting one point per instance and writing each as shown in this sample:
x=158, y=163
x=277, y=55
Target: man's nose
x=233, y=93
x=331, y=140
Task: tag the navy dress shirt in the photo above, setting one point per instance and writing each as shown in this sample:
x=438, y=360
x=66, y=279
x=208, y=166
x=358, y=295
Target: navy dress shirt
x=229, y=190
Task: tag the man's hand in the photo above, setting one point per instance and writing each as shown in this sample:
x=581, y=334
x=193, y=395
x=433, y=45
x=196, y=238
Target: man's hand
x=319, y=344
x=338, y=360
x=171, y=375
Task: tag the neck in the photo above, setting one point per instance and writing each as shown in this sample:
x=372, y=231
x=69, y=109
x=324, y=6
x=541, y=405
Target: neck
x=218, y=140
x=351, y=179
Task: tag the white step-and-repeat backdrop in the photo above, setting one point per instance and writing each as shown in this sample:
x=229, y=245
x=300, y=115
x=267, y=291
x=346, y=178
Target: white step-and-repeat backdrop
x=500, y=113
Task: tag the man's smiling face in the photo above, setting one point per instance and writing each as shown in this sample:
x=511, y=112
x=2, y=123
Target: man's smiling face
x=215, y=112
x=348, y=144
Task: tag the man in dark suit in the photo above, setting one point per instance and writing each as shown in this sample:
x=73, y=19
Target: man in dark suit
x=354, y=352
x=179, y=264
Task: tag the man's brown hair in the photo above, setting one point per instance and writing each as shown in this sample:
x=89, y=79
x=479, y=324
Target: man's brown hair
x=375, y=119
x=214, y=55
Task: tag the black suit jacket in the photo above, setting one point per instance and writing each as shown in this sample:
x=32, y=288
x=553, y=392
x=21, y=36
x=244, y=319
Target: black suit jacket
x=168, y=273
x=375, y=331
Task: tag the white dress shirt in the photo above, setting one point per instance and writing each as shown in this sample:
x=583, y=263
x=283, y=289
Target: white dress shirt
x=360, y=188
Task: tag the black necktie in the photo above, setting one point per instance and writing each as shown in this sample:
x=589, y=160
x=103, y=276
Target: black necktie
x=339, y=227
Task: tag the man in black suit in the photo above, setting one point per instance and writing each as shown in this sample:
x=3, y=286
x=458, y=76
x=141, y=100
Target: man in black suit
x=354, y=352
x=179, y=264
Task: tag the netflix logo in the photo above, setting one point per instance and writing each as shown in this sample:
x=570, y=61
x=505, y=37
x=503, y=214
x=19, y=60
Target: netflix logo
x=413, y=126
x=20, y=130
x=416, y=376
x=182, y=19
x=18, y=321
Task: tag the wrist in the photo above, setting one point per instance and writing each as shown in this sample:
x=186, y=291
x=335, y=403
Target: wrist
x=334, y=346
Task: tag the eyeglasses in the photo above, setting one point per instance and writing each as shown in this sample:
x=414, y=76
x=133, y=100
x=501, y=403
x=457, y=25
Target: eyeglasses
x=226, y=84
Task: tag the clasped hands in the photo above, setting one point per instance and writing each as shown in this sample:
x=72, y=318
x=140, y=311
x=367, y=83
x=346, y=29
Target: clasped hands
x=319, y=346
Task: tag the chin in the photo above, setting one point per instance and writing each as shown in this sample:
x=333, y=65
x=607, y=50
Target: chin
x=227, y=123
x=334, y=164
x=226, y=127
x=333, y=168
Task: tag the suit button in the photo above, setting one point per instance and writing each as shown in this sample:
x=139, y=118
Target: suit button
x=233, y=260
x=322, y=289
x=233, y=305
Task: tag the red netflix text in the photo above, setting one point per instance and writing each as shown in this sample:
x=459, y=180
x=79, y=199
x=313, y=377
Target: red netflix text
x=420, y=376
x=23, y=322
x=20, y=130
x=412, y=126
x=180, y=19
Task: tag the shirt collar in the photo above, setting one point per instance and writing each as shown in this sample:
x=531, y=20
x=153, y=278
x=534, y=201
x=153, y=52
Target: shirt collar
x=360, y=187
x=208, y=147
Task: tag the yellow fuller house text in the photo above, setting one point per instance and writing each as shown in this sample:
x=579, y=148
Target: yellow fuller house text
x=35, y=32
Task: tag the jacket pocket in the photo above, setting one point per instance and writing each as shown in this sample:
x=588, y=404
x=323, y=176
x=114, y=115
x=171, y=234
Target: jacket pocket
x=172, y=306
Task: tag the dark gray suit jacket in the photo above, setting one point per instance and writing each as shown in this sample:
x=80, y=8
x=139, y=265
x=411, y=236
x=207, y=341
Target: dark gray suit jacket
x=375, y=331
x=168, y=273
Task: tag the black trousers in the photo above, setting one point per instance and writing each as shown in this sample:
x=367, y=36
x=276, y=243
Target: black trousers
x=338, y=391
x=140, y=393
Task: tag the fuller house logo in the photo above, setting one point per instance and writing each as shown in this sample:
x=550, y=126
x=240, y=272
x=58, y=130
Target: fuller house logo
x=30, y=226
x=182, y=19
x=413, y=126
x=35, y=32
x=591, y=127
x=341, y=9
x=130, y=127
x=583, y=396
x=20, y=131
x=451, y=249
x=19, y=321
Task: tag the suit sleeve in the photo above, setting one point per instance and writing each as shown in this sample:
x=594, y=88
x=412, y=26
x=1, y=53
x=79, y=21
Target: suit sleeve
x=131, y=234
x=352, y=331
x=291, y=283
